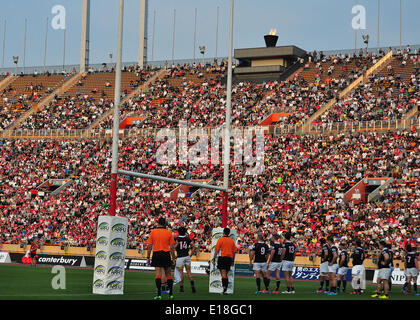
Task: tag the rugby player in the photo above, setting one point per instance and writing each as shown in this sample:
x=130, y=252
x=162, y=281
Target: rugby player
x=32, y=253
x=288, y=257
x=332, y=265
x=323, y=267
x=183, y=244
x=358, y=269
x=411, y=271
x=258, y=255
x=162, y=242
x=274, y=262
x=391, y=265
x=384, y=271
x=342, y=267
x=227, y=248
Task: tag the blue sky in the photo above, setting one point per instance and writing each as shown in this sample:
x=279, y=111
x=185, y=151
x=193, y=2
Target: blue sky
x=309, y=24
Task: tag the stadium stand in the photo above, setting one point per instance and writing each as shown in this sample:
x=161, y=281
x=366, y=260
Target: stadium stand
x=22, y=92
x=80, y=105
x=302, y=188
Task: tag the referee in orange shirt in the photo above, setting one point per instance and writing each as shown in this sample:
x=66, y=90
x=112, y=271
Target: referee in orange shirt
x=162, y=242
x=227, y=247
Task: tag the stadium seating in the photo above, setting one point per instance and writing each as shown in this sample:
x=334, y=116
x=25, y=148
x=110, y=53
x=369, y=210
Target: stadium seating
x=301, y=189
x=23, y=92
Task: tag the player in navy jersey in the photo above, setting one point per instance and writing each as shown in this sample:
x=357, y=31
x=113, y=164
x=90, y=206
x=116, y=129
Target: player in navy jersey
x=183, y=244
x=323, y=267
x=391, y=265
x=332, y=265
x=358, y=269
x=411, y=270
x=384, y=271
x=274, y=263
x=343, y=267
x=258, y=255
x=288, y=257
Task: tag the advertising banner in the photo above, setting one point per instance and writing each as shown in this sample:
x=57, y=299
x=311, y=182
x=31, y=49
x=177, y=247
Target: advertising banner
x=311, y=273
x=111, y=243
x=5, y=257
x=215, y=279
x=135, y=264
x=53, y=259
x=397, y=277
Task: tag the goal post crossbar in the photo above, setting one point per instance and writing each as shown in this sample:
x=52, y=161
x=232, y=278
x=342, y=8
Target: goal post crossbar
x=171, y=180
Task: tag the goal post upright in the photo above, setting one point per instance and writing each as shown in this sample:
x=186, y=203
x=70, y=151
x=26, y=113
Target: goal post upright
x=116, y=123
x=226, y=157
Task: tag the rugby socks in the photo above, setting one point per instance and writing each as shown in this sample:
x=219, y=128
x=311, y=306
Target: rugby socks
x=405, y=286
x=225, y=283
x=277, y=285
x=170, y=284
x=327, y=285
x=415, y=287
x=344, y=285
x=158, y=282
x=258, y=283
x=339, y=284
x=321, y=284
x=390, y=284
x=267, y=283
x=192, y=286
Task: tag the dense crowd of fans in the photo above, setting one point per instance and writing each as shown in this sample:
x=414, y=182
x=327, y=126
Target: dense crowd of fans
x=196, y=94
x=301, y=189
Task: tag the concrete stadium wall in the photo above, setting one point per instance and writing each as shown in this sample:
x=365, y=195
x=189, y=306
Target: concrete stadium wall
x=134, y=254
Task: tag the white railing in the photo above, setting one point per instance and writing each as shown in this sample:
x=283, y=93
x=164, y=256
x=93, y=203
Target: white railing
x=279, y=129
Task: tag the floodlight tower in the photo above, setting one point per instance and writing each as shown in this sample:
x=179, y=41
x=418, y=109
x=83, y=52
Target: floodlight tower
x=142, y=54
x=84, y=46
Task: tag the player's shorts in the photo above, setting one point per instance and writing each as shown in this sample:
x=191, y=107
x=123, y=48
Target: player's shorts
x=333, y=268
x=275, y=266
x=342, y=271
x=161, y=259
x=323, y=267
x=287, y=265
x=224, y=263
x=358, y=270
x=384, y=273
x=260, y=266
x=411, y=272
x=183, y=261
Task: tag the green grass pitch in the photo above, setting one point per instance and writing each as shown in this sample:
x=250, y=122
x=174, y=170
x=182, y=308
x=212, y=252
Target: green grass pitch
x=23, y=282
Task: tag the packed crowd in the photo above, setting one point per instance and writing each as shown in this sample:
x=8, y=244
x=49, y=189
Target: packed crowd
x=301, y=190
x=14, y=104
x=80, y=110
x=195, y=93
x=385, y=97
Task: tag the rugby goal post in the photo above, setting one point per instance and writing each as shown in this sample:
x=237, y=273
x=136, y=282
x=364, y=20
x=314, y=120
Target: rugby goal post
x=116, y=122
x=118, y=286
